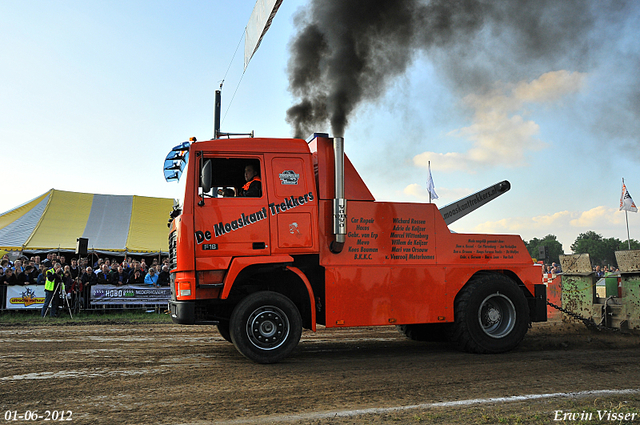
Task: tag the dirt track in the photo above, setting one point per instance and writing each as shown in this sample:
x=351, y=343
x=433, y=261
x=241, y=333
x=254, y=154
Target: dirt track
x=135, y=374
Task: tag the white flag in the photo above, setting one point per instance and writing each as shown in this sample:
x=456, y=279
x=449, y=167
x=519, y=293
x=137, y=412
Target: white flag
x=430, y=186
x=259, y=23
x=626, y=203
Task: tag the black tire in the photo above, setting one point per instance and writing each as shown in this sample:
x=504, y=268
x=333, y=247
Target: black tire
x=223, y=330
x=491, y=315
x=431, y=332
x=265, y=327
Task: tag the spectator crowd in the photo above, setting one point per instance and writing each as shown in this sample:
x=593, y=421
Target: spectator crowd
x=553, y=268
x=79, y=275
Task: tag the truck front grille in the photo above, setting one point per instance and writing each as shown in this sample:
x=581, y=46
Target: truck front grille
x=173, y=262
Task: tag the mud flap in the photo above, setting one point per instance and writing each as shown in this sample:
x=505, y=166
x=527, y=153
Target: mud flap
x=538, y=304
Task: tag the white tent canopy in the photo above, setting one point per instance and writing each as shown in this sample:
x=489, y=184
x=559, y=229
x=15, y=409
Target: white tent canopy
x=111, y=223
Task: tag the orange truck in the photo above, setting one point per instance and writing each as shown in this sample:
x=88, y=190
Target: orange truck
x=313, y=247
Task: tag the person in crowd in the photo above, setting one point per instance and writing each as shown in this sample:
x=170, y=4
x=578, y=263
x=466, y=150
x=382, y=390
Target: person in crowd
x=113, y=270
x=103, y=275
x=41, y=275
x=17, y=267
x=47, y=262
x=599, y=273
x=152, y=277
x=143, y=266
x=53, y=279
x=67, y=279
x=126, y=265
x=35, y=272
x=164, y=277
x=88, y=279
x=137, y=278
x=63, y=261
x=10, y=277
x=8, y=262
x=75, y=269
x=120, y=277
x=26, y=277
x=136, y=267
x=97, y=266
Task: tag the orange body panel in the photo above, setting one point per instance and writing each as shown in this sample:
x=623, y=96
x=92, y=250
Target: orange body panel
x=401, y=264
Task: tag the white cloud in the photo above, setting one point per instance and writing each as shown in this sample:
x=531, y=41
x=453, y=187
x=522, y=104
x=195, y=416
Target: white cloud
x=598, y=216
x=517, y=224
x=416, y=190
x=499, y=133
x=566, y=225
x=550, y=87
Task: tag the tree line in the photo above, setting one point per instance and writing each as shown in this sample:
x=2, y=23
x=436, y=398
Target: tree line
x=601, y=250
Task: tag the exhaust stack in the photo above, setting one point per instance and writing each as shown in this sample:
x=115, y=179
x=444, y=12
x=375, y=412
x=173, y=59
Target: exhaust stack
x=216, y=113
x=339, y=202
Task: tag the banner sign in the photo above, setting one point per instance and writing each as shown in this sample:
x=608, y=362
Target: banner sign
x=24, y=297
x=129, y=294
x=259, y=23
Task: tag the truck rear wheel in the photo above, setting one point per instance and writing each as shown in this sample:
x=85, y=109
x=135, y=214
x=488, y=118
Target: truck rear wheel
x=491, y=315
x=265, y=327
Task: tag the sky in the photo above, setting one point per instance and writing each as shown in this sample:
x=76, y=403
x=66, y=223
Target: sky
x=94, y=94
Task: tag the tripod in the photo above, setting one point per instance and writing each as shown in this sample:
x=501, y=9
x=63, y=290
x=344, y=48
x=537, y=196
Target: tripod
x=56, y=293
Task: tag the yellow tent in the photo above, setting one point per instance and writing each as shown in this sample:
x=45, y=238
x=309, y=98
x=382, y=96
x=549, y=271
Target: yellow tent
x=111, y=223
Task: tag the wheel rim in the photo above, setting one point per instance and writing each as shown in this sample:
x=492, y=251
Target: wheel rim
x=497, y=315
x=268, y=327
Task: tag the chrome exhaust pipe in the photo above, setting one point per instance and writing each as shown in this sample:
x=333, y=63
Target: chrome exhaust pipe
x=339, y=202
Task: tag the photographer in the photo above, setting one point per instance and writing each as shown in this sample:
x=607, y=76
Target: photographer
x=53, y=279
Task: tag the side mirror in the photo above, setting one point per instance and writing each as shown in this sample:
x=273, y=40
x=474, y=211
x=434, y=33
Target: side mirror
x=206, y=176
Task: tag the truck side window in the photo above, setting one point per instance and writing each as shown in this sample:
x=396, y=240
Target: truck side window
x=232, y=177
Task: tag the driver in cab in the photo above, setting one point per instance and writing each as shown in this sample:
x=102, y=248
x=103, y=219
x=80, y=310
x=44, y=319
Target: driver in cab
x=251, y=189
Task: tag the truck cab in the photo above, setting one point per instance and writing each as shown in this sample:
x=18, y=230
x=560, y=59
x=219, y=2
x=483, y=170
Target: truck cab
x=314, y=247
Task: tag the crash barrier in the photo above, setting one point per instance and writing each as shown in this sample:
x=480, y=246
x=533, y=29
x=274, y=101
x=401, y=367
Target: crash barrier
x=616, y=305
x=129, y=295
x=22, y=297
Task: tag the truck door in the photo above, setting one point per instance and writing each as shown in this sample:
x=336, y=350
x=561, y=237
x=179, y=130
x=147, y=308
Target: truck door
x=228, y=221
x=292, y=204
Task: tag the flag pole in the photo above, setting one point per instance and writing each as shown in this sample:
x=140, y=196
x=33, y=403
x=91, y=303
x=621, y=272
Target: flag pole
x=625, y=194
x=429, y=175
x=626, y=218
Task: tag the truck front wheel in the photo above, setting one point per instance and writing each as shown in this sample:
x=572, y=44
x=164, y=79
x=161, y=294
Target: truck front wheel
x=265, y=327
x=491, y=315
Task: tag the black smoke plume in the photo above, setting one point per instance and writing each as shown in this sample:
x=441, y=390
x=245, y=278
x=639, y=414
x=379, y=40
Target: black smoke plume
x=349, y=51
